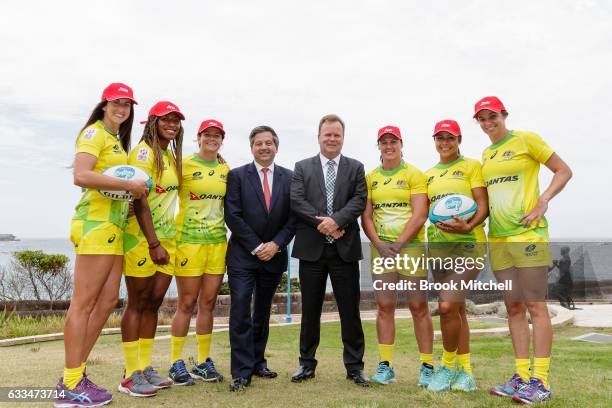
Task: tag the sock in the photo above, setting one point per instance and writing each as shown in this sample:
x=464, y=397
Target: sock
x=522, y=367
x=541, y=365
x=386, y=352
x=130, y=354
x=72, y=377
x=448, y=359
x=426, y=358
x=463, y=361
x=145, y=351
x=203, y=346
x=176, y=348
x=83, y=366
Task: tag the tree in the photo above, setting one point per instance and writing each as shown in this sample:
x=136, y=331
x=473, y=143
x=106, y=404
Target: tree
x=36, y=275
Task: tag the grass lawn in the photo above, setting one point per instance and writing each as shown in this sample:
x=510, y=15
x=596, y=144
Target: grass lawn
x=581, y=372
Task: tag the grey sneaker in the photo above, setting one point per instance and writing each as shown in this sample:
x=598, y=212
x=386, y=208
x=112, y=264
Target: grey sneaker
x=155, y=379
x=137, y=386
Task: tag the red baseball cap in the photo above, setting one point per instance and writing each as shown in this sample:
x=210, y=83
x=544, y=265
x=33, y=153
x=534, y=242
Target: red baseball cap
x=117, y=90
x=162, y=108
x=391, y=130
x=447, y=125
x=491, y=103
x=208, y=123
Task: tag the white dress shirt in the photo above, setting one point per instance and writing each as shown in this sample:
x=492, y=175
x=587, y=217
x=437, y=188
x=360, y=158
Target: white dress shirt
x=324, y=161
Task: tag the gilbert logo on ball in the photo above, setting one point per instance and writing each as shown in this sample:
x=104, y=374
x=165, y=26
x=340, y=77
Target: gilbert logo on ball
x=454, y=205
x=124, y=172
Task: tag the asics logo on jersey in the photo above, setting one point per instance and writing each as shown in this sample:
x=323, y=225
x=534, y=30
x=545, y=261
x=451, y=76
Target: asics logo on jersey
x=493, y=155
x=429, y=180
x=112, y=239
x=386, y=181
x=212, y=172
x=142, y=261
x=184, y=262
x=501, y=180
x=443, y=173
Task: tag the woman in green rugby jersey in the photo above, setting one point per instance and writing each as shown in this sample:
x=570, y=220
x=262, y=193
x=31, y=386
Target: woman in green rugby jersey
x=393, y=220
x=200, y=254
x=519, y=242
x=464, y=243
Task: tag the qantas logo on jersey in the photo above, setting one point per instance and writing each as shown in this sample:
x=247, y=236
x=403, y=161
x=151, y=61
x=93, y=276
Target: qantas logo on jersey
x=505, y=179
x=439, y=196
x=390, y=205
x=194, y=197
x=160, y=190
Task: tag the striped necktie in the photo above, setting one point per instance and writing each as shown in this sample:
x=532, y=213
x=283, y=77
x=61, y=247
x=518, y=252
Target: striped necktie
x=330, y=183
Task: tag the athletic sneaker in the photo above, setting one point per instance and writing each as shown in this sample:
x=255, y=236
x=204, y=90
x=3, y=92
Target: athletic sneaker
x=83, y=395
x=463, y=382
x=510, y=388
x=384, y=374
x=533, y=392
x=156, y=380
x=178, y=374
x=206, y=371
x=441, y=379
x=137, y=386
x=425, y=375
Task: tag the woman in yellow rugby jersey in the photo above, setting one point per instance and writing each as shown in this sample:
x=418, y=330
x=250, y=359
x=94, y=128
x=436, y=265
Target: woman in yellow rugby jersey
x=97, y=234
x=462, y=241
x=149, y=244
x=518, y=240
x=200, y=253
x=393, y=220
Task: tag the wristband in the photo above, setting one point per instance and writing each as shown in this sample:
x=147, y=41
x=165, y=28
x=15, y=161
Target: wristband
x=154, y=245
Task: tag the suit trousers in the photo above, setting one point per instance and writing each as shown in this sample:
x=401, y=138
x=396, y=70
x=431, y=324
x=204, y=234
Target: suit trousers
x=249, y=328
x=345, y=283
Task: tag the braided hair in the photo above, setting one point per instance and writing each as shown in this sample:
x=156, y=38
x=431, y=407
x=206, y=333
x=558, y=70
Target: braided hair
x=151, y=137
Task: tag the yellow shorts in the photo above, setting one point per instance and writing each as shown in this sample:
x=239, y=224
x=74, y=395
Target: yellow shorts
x=96, y=238
x=473, y=251
x=137, y=261
x=410, y=262
x=198, y=259
x=529, y=249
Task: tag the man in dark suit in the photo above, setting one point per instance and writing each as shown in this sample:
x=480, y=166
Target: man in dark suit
x=257, y=211
x=328, y=194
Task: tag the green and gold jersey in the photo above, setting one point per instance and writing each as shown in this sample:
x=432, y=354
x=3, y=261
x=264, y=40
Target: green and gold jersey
x=510, y=169
x=458, y=177
x=200, y=218
x=390, y=192
x=162, y=199
x=98, y=141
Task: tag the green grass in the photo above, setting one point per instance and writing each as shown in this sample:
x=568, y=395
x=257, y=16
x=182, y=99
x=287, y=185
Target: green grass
x=581, y=372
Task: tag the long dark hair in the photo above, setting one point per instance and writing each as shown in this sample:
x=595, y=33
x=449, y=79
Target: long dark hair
x=125, y=129
x=150, y=136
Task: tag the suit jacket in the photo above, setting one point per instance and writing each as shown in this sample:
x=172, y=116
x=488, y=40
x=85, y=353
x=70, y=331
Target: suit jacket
x=250, y=222
x=309, y=199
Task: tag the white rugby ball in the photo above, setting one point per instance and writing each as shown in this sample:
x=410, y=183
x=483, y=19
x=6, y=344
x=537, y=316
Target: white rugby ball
x=125, y=172
x=454, y=205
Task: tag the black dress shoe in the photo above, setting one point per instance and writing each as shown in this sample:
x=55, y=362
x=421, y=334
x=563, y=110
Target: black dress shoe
x=303, y=373
x=239, y=383
x=359, y=377
x=265, y=373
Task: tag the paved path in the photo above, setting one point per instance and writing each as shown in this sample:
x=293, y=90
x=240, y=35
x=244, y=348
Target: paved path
x=593, y=315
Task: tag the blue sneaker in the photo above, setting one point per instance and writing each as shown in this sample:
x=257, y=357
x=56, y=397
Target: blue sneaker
x=206, y=371
x=441, y=379
x=510, y=388
x=426, y=373
x=384, y=374
x=463, y=382
x=533, y=392
x=179, y=375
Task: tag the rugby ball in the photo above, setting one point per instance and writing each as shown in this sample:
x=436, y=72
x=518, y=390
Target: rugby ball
x=454, y=205
x=127, y=173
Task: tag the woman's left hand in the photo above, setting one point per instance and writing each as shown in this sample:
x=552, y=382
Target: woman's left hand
x=536, y=214
x=456, y=225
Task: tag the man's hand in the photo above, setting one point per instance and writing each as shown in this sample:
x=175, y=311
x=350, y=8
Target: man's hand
x=337, y=234
x=267, y=251
x=327, y=225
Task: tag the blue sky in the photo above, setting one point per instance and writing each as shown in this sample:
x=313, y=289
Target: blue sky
x=286, y=64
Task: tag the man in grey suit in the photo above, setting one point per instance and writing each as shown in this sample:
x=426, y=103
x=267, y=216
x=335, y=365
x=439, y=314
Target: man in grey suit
x=328, y=194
